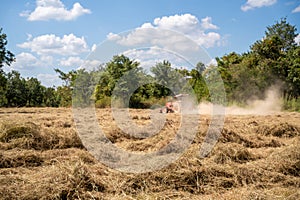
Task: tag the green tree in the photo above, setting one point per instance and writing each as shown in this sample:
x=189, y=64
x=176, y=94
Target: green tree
x=34, y=92
x=285, y=32
x=169, y=81
x=64, y=92
x=113, y=71
x=16, y=90
x=83, y=88
x=50, y=97
x=68, y=78
x=292, y=60
x=228, y=68
x=197, y=82
x=6, y=57
x=3, y=89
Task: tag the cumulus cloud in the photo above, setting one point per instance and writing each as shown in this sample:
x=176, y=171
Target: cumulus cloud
x=54, y=9
x=251, y=4
x=90, y=64
x=186, y=24
x=25, y=61
x=71, y=62
x=206, y=23
x=296, y=10
x=149, y=57
x=113, y=36
x=52, y=44
x=49, y=80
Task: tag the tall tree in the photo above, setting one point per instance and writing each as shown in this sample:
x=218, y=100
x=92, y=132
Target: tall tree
x=114, y=70
x=285, y=32
x=16, y=89
x=68, y=78
x=34, y=92
x=168, y=78
x=6, y=57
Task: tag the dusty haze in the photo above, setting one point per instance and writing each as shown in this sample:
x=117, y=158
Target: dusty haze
x=271, y=104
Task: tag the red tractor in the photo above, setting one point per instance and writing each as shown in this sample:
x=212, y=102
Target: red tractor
x=174, y=104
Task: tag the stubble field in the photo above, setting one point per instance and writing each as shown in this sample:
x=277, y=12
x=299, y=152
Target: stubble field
x=42, y=157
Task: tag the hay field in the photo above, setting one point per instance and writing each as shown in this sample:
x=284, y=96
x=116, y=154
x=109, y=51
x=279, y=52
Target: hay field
x=42, y=157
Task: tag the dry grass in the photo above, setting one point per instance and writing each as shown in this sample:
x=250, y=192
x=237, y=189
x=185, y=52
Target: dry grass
x=42, y=157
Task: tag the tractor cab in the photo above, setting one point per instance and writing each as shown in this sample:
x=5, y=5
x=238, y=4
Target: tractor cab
x=174, y=103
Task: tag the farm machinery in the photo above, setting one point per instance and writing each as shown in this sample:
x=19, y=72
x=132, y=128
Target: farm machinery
x=174, y=104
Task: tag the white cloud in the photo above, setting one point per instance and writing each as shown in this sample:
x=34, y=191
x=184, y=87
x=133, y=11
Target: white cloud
x=25, y=61
x=147, y=25
x=151, y=56
x=49, y=80
x=78, y=63
x=185, y=24
x=113, y=36
x=90, y=64
x=46, y=59
x=52, y=44
x=54, y=9
x=296, y=10
x=206, y=23
x=297, y=39
x=251, y=4
x=94, y=47
x=71, y=62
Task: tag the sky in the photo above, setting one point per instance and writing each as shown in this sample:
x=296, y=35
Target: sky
x=69, y=34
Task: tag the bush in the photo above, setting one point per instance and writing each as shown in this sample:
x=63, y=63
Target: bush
x=292, y=104
x=104, y=102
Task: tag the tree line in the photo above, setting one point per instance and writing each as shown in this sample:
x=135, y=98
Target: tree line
x=275, y=59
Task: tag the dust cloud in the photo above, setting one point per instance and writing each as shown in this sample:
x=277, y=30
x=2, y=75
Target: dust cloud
x=271, y=104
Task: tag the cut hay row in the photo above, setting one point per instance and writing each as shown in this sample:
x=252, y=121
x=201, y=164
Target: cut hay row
x=42, y=157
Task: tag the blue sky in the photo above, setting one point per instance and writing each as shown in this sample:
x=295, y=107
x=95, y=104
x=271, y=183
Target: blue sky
x=45, y=34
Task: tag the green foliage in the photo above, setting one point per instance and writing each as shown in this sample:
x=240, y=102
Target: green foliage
x=68, y=78
x=64, y=96
x=104, y=102
x=113, y=71
x=3, y=90
x=6, y=57
x=271, y=60
x=34, y=92
x=82, y=93
x=285, y=32
x=291, y=104
x=16, y=90
x=50, y=98
x=197, y=82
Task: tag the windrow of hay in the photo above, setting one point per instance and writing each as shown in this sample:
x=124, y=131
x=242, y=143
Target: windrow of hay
x=232, y=152
x=65, y=180
x=31, y=158
x=286, y=160
x=42, y=157
x=248, y=140
x=279, y=130
x=28, y=135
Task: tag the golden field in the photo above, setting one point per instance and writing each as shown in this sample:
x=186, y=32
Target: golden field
x=42, y=157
